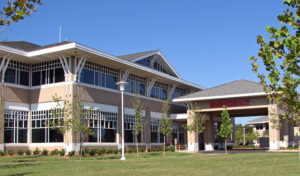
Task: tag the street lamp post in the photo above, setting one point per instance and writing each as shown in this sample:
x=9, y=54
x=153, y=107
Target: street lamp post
x=244, y=135
x=122, y=88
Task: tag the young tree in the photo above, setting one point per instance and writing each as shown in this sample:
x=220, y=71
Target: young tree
x=138, y=121
x=16, y=10
x=197, y=119
x=226, y=128
x=165, y=126
x=280, y=56
x=75, y=118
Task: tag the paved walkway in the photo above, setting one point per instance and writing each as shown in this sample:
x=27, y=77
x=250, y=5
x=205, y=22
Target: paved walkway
x=242, y=151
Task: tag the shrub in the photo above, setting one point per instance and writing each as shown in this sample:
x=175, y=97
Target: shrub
x=1, y=153
x=116, y=151
x=141, y=149
x=172, y=148
x=71, y=153
x=20, y=152
x=131, y=150
x=101, y=151
x=28, y=152
x=45, y=152
x=85, y=151
x=92, y=152
x=62, y=152
x=36, y=151
x=10, y=152
x=148, y=149
x=54, y=152
x=109, y=151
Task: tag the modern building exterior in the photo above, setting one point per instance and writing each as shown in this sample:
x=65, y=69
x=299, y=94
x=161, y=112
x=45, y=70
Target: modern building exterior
x=260, y=126
x=31, y=75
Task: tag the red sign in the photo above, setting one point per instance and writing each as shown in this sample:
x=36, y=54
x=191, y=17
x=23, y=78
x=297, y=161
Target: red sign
x=229, y=103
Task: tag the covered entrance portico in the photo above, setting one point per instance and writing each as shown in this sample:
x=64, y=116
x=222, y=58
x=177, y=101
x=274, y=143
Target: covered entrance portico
x=243, y=99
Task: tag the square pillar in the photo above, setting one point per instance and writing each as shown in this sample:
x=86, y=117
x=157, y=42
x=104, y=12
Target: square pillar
x=2, y=126
x=274, y=131
x=192, y=137
x=233, y=130
x=148, y=126
x=209, y=133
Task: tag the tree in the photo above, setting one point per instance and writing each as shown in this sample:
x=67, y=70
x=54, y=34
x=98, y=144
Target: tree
x=165, y=126
x=280, y=56
x=16, y=10
x=197, y=121
x=226, y=128
x=138, y=121
x=75, y=118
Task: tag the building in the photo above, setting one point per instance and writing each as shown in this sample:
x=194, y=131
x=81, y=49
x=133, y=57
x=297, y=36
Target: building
x=260, y=126
x=32, y=74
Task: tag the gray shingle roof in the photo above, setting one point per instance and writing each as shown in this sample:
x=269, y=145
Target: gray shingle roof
x=133, y=56
x=20, y=45
x=236, y=87
x=53, y=45
x=262, y=119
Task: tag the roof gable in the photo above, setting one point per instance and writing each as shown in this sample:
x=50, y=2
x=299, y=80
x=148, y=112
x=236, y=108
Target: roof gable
x=263, y=119
x=20, y=45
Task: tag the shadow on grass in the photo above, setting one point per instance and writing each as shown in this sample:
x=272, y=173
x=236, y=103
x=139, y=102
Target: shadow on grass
x=21, y=174
x=109, y=157
x=14, y=166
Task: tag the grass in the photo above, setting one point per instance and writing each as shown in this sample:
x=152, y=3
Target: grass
x=153, y=164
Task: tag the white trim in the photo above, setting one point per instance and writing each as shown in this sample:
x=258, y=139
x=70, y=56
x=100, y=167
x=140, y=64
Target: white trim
x=179, y=116
x=209, y=147
x=156, y=115
x=97, y=144
x=52, y=85
x=45, y=106
x=16, y=106
x=220, y=97
x=131, y=111
x=193, y=147
x=51, y=49
x=52, y=144
x=101, y=107
x=16, y=144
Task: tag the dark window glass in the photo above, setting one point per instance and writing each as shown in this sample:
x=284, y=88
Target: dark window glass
x=55, y=136
x=154, y=137
x=44, y=77
x=8, y=135
x=161, y=140
x=153, y=92
x=181, y=138
x=111, y=82
x=10, y=76
x=140, y=88
x=22, y=136
x=96, y=78
x=38, y=135
x=128, y=136
x=24, y=78
x=108, y=135
x=87, y=76
x=36, y=78
x=51, y=76
x=59, y=75
x=93, y=138
x=147, y=62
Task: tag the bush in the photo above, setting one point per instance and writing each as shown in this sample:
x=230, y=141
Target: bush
x=71, y=153
x=36, y=151
x=109, y=151
x=116, y=151
x=141, y=149
x=148, y=149
x=20, y=152
x=172, y=148
x=92, y=152
x=1, y=153
x=85, y=151
x=10, y=152
x=131, y=150
x=28, y=152
x=54, y=152
x=101, y=151
x=62, y=152
x=45, y=152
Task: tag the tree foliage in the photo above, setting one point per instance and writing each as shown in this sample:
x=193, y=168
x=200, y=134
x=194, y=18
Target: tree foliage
x=138, y=121
x=16, y=10
x=165, y=126
x=239, y=134
x=226, y=128
x=197, y=121
x=280, y=56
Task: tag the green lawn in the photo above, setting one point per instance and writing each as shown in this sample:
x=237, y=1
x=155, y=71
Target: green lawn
x=153, y=164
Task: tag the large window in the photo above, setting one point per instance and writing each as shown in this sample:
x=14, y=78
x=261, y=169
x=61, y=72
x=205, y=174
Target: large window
x=159, y=90
x=145, y=62
x=103, y=124
x=178, y=92
x=136, y=84
x=129, y=136
x=42, y=126
x=17, y=73
x=158, y=67
x=15, y=126
x=179, y=133
x=47, y=73
x=156, y=137
x=99, y=75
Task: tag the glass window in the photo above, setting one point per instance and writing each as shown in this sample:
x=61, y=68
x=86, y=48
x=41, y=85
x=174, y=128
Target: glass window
x=10, y=76
x=87, y=76
x=15, y=126
x=24, y=78
x=59, y=75
x=129, y=136
x=111, y=82
x=159, y=90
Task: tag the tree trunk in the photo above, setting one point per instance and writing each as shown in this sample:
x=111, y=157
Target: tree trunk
x=225, y=147
x=137, y=144
x=164, y=146
x=80, y=145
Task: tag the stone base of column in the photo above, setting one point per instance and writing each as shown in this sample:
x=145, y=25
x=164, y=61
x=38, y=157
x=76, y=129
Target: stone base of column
x=209, y=147
x=2, y=147
x=72, y=147
x=274, y=145
x=193, y=147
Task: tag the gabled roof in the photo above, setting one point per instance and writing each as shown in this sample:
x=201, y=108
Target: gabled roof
x=20, y=45
x=263, y=119
x=130, y=57
x=229, y=90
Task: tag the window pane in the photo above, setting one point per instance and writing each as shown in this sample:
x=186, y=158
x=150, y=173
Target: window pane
x=8, y=136
x=10, y=76
x=59, y=75
x=38, y=135
x=51, y=76
x=108, y=135
x=93, y=138
x=128, y=136
x=111, y=82
x=22, y=136
x=36, y=78
x=24, y=78
x=44, y=77
x=154, y=137
x=55, y=136
x=87, y=76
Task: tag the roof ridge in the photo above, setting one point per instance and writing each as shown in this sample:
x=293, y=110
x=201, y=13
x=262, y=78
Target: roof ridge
x=139, y=52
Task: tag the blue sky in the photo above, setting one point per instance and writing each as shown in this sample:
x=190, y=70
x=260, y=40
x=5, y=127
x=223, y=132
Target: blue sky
x=208, y=42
